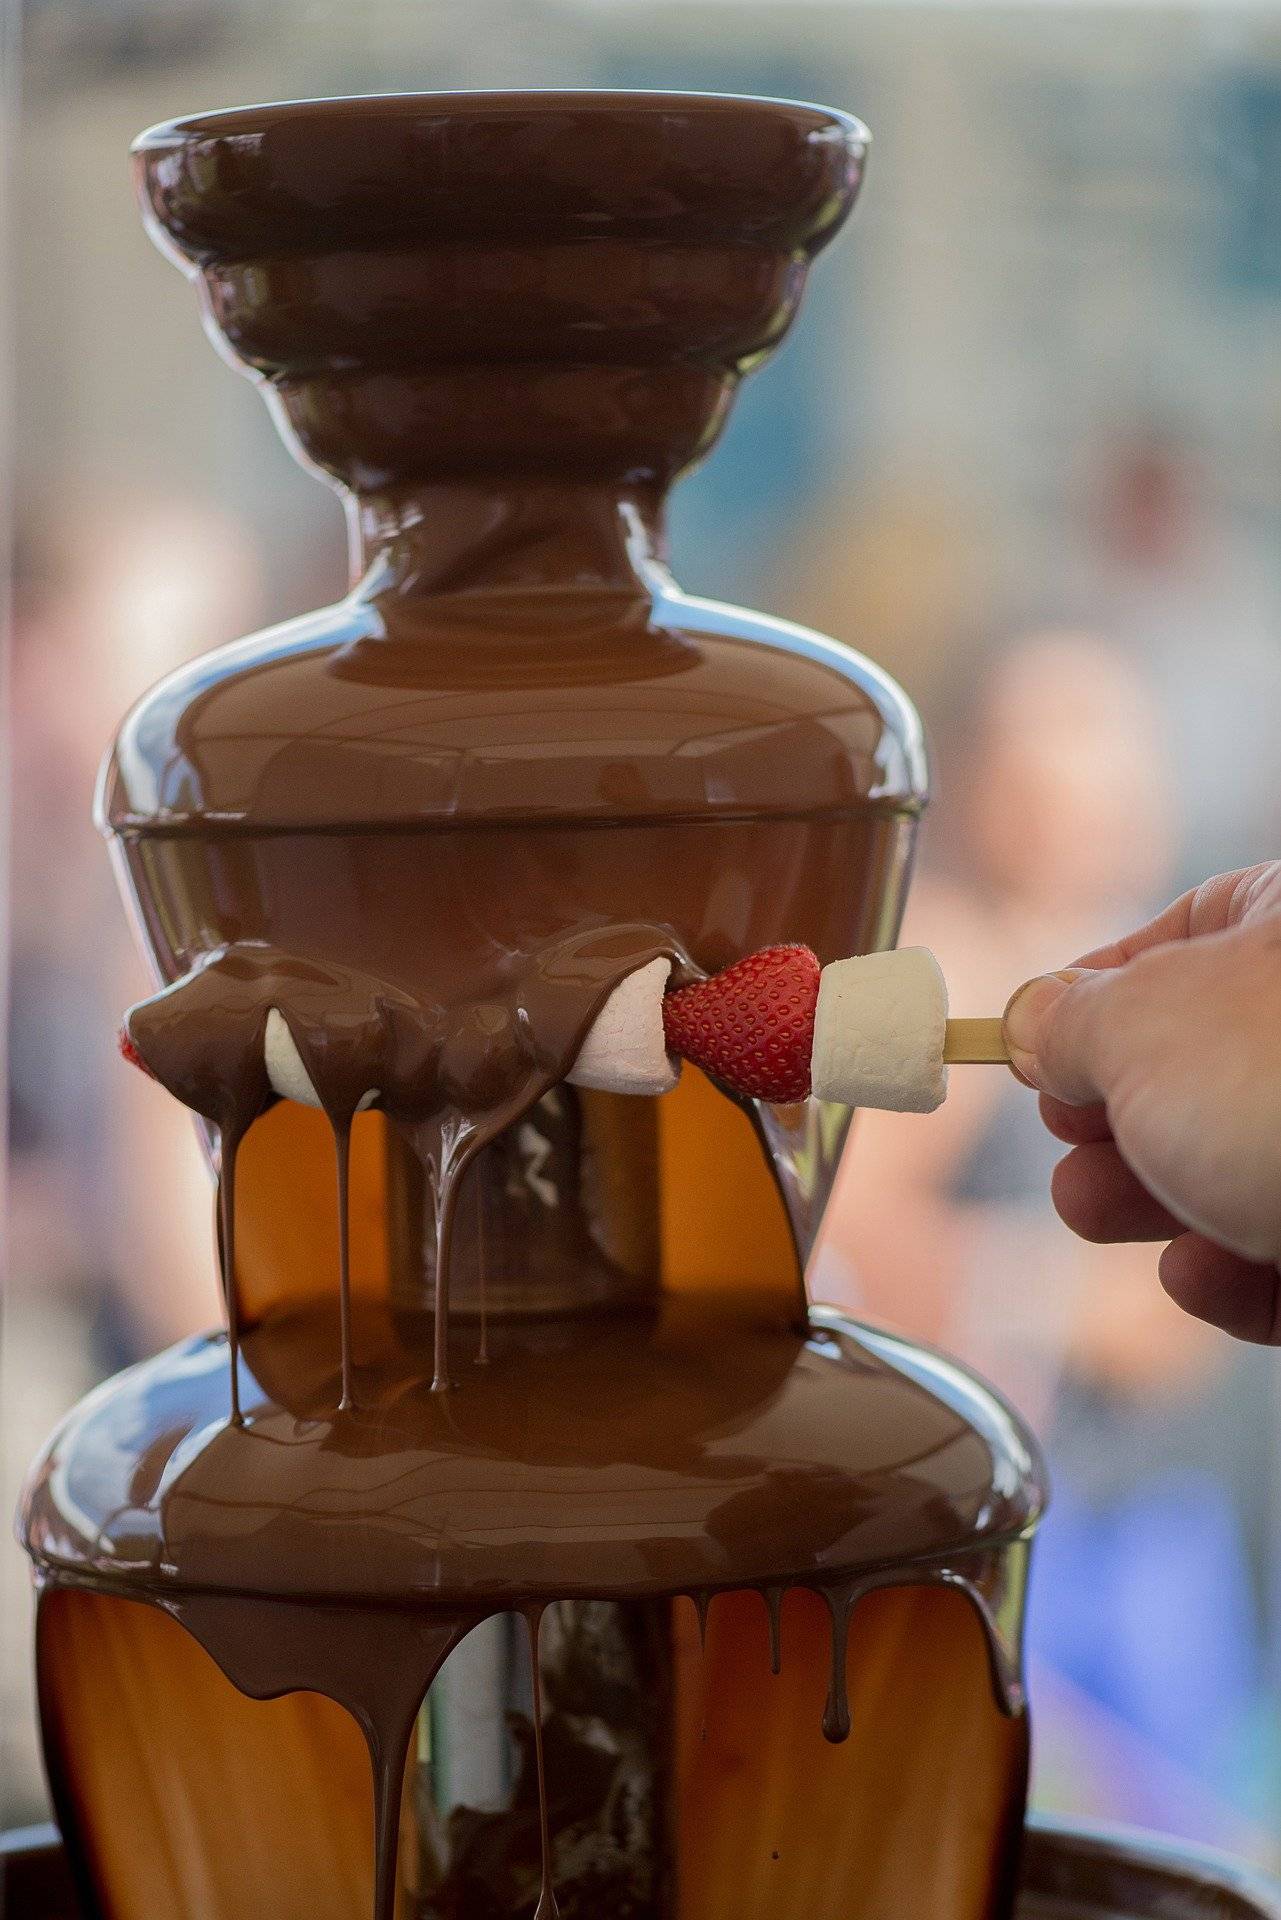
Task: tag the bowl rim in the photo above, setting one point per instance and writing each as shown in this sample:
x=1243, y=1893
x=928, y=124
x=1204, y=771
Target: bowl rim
x=255, y=119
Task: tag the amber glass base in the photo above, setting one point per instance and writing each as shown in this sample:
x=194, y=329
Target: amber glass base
x=912, y=1814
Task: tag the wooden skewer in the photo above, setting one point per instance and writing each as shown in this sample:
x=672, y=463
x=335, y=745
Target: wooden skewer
x=975, y=1043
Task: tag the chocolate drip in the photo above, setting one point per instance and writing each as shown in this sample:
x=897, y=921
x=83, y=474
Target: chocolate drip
x=546, y=1908
x=773, y=1598
x=228, y=1147
x=342, y=1159
x=482, y=1280
x=836, y=1713
x=444, y=1149
x=377, y=1666
x=997, y=1587
x=388, y=1745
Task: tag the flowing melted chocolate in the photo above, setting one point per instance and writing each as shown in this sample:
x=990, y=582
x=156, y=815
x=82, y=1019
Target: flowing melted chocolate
x=433, y=827
x=451, y=1077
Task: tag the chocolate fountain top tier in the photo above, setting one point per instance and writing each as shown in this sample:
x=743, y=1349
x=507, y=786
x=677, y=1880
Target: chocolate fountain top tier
x=439, y=284
x=504, y=322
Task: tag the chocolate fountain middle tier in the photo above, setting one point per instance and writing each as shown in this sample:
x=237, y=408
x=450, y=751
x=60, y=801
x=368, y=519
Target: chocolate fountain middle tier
x=705, y=1445
x=599, y=774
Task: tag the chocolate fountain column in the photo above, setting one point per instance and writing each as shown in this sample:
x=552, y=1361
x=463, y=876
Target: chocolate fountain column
x=517, y=1361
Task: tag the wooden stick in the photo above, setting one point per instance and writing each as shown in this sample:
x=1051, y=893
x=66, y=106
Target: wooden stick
x=975, y=1043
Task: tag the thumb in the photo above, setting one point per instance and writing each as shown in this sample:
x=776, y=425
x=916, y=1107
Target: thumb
x=1058, y=1030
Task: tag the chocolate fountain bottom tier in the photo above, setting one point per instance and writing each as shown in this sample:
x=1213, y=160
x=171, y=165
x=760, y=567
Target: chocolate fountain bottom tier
x=700, y=1445
x=1069, y=1873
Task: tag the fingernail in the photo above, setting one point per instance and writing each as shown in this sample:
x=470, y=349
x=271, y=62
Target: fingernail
x=1026, y=1014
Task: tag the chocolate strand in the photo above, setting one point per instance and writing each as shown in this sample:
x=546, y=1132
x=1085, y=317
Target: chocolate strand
x=342, y=1157
x=388, y=1761
x=228, y=1146
x=702, y=1606
x=547, y=1908
x=773, y=1598
x=442, y=1221
x=482, y=1251
x=836, y=1713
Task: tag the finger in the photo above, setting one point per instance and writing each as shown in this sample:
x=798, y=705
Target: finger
x=1241, y=1296
x=1101, y=1200
x=1075, y=1126
x=1209, y=908
x=1059, y=1036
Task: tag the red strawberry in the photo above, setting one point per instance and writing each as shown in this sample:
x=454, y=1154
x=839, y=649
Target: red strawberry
x=751, y=1027
x=130, y=1053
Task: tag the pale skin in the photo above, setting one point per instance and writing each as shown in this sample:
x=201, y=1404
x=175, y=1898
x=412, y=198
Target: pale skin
x=1158, y=1062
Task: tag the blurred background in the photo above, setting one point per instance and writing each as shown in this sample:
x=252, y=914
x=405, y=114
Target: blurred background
x=1024, y=448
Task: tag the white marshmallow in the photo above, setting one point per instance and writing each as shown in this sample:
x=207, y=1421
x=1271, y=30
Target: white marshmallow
x=879, y=1029
x=625, y=1050
x=285, y=1070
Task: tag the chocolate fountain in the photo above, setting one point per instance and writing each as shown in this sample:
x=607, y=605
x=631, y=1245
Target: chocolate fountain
x=525, y=1543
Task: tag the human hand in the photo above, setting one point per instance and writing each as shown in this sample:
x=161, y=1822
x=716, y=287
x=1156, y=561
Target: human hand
x=1158, y=1061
